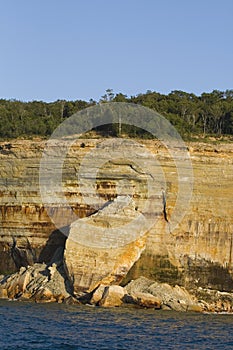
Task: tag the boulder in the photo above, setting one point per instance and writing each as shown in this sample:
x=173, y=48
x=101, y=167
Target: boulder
x=145, y=300
x=176, y=298
x=3, y=293
x=70, y=300
x=214, y=300
x=23, y=279
x=171, y=298
x=38, y=282
x=44, y=295
x=112, y=296
x=108, y=296
x=98, y=294
x=99, y=248
x=141, y=284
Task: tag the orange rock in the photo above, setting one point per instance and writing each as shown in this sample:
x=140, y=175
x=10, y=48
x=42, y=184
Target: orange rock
x=146, y=300
x=112, y=296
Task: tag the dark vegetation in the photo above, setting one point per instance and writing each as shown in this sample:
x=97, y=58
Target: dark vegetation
x=210, y=114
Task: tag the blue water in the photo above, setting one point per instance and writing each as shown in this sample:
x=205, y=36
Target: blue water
x=25, y=325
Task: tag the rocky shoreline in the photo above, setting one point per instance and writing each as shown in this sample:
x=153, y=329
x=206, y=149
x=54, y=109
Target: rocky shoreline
x=43, y=283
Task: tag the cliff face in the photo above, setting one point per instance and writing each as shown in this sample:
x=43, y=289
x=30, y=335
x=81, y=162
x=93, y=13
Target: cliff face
x=197, y=253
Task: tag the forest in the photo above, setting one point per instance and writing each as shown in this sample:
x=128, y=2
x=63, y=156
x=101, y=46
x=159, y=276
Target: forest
x=207, y=115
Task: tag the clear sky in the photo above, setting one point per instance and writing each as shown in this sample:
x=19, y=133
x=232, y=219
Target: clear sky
x=76, y=49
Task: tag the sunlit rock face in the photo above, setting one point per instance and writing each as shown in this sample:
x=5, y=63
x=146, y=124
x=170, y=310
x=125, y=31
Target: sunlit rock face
x=99, y=248
x=197, y=253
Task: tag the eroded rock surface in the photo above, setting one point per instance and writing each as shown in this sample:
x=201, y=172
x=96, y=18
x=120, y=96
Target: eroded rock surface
x=198, y=253
x=173, y=298
x=146, y=300
x=95, y=251
x=112, y=296
x=40, y=283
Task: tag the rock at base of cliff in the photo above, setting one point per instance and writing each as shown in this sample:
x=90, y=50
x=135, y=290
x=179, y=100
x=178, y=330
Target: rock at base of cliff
x=108, y=296
x=214, y=300
x=39, y=282
x=145, y=300
x=3, y=293
x=170, y=298
x=88, y=265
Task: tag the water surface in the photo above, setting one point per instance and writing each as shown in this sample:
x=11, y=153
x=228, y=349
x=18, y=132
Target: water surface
x=25, y=325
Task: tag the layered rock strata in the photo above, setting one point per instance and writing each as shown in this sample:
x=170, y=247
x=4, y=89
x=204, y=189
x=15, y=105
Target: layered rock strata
x=99, y=251
x=198, y=253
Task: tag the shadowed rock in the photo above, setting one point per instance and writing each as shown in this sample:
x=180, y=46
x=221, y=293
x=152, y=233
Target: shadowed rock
x=21, y=252
x=39, y=282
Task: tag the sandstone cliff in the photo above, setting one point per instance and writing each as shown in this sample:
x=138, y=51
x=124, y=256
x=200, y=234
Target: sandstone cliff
x=198, y=253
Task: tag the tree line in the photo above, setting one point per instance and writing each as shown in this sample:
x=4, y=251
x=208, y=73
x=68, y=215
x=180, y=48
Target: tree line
x=204, y=115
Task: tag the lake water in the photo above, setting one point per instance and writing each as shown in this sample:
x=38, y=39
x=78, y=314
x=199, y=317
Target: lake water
x=25, y=325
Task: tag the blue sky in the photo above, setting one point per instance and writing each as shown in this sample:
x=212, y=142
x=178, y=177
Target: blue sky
x=76, y=49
